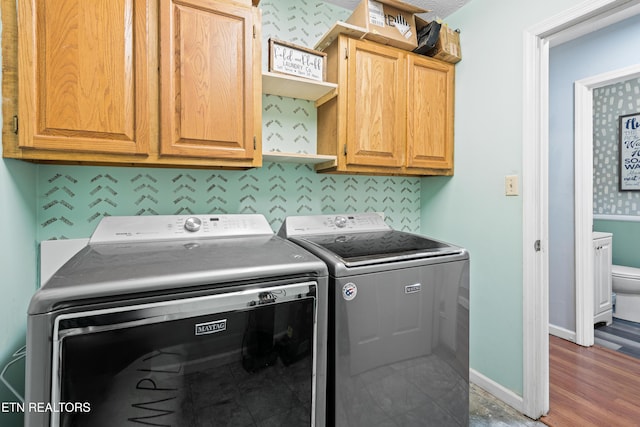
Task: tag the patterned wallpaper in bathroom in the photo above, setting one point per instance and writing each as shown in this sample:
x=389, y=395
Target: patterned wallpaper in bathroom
x=72, y=199
x=609, y=102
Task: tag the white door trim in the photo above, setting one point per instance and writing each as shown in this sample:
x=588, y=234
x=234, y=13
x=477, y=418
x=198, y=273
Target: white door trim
x=575, y=22
x=584, y=195
x=535, y=307
x=583, y=206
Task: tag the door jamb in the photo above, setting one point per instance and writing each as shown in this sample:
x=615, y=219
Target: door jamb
x=582, y=19
x=584, y=195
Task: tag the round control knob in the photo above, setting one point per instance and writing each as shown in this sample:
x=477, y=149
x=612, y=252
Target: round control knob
x=192, y=224
x=340, y=222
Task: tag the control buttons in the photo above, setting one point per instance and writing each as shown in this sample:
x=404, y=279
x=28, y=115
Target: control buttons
x=192, y=224
x=340, y=221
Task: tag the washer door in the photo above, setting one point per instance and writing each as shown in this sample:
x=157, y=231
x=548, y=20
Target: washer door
x=237, y=358
x=401, y=347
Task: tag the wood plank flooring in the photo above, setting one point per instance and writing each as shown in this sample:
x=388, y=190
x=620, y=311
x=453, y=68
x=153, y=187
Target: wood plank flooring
x=591, y=386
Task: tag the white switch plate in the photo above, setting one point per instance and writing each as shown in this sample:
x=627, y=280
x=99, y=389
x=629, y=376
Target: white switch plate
x=511, y=185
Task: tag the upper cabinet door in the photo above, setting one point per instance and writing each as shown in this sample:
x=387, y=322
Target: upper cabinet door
x=207, y=80
x=430, y=113
x=83, y=75
x=375, y=105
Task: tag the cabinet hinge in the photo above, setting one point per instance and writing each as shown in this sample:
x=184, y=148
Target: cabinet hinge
x=344, y=149
x=254, y=31
x=15, y=124
x=346, y=53
x=254, y=142
x=537, y=245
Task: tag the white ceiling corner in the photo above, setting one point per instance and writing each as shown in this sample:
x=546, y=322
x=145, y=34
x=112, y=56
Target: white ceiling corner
x=437, y=8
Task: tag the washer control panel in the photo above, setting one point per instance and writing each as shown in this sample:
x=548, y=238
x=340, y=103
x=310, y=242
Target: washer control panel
x=331, y=224
x=172, y=227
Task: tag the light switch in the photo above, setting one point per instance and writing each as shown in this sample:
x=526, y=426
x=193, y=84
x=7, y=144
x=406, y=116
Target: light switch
x=511, y=185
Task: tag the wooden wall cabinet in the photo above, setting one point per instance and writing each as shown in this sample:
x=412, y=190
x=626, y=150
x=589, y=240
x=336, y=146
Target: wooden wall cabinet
x=81, y=88
x=393, y=114
x=207, y=81
x=138, y=82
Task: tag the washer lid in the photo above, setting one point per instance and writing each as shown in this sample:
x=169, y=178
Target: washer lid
x=361, y=239
x=356, y=249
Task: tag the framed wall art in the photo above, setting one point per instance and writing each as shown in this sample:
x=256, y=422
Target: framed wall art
x=629, y=134
x=288, y=58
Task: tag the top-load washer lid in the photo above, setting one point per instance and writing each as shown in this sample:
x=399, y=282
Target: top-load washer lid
x=355, y=249
x=362, y=239
x=167, y=253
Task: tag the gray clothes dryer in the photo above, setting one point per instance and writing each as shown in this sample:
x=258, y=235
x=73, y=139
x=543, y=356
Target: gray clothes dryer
x=181, y=321
x=398, y=322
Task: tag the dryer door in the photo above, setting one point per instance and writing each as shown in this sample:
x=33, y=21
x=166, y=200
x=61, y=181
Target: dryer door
x=237, y=358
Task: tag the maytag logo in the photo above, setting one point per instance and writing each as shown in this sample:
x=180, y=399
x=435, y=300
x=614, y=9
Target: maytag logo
x=410, y=289
x=211, y=327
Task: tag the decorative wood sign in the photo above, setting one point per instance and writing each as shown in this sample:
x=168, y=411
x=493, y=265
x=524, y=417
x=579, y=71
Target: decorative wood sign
x=287, y=58
x=629, y=133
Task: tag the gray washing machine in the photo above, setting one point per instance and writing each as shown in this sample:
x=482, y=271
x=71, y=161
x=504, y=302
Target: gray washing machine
x=179, y=320
x=398, y=322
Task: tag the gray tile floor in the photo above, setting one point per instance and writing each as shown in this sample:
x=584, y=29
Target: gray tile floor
x=621, y=335
x=486, y=410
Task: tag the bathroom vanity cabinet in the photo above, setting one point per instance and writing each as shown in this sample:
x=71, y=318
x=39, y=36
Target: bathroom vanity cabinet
x=602, y=261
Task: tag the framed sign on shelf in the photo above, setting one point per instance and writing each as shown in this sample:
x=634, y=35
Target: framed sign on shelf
x=288, y=58
x=629, y=146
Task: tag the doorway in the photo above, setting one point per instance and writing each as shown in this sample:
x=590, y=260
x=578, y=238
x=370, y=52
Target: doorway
x=584, y=195
x=583, y=19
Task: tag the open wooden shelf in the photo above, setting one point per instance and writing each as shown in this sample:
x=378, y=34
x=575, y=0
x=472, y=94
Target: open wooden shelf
x=312, y=159
x=297, y=87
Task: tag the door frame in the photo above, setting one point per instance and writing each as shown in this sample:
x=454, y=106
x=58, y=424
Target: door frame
x=584, y=195
x=582, y=19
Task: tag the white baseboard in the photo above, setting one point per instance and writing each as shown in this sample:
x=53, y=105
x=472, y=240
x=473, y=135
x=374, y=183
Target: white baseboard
x=563, y=333
x=497, y=390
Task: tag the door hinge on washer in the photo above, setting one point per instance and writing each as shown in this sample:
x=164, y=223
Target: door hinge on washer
x=537, y=245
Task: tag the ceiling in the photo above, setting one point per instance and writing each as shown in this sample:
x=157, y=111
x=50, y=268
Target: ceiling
x=438, y=8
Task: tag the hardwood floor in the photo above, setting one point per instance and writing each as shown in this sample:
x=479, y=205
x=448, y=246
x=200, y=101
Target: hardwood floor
x=591, y=386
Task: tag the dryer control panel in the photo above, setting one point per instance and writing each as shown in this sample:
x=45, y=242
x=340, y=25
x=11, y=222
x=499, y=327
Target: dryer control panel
x=331, y=224
x=169, y=227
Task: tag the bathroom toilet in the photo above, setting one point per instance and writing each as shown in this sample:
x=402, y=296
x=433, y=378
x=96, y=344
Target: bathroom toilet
x=626, y=286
